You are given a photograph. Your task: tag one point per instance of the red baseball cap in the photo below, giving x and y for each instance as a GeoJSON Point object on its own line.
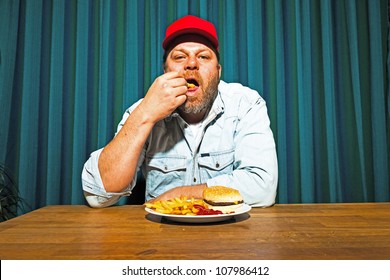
{"type": "Point", "coordinates": [191, 25]}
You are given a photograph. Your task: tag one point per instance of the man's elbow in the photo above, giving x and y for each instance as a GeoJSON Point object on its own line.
{"type": "Point", "coordinates": [96, 201]}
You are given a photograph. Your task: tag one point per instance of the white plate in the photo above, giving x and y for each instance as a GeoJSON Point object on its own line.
{"type": "Point", "coordinates": [201, 218]}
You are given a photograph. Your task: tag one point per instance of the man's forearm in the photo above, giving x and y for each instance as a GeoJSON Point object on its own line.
{"type": "Point", "coordinates": [118, 160]}
{"type": "Point", "coordinates": [195, 191]}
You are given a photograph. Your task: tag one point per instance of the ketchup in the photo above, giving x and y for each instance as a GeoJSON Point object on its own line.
{"type": "Point", "coordinates": [205, 211]}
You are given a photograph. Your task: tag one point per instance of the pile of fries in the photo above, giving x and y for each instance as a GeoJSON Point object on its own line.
{"type": "Point", "coordinates": [177, 206]}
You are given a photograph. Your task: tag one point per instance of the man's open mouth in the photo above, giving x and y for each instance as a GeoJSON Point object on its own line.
{"type": "Point", "coordinates": [192, 83]}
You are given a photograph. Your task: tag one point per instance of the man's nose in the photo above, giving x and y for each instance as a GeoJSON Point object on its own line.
{"type": "Point", "coordinates": [192, 64]}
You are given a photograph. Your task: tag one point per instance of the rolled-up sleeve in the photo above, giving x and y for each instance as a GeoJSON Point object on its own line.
{"type": "Point", "coordinates": [93, 187]}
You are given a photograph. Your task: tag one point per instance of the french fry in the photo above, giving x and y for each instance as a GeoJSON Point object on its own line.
{"type": "Point", "coordinates": [189, 85]}
{"type": "Point", "coordinates": [166, 205]}
{"type": "Point", "coordinates": [185, 211]}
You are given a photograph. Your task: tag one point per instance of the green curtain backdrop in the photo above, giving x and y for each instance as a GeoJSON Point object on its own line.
{"type": "Point", "coordinates": [69, 69]}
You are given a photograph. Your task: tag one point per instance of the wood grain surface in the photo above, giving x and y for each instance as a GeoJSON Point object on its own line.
{"type": "Point", "coordinates": [299, 232]}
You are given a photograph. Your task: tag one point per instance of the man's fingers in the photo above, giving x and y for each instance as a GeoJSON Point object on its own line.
{"type": "Point", "coordinates": [180, 99]}
{"type": "Point", "coordinates": [171, 75]}
{"type": "Point", "coordinates": [171, 80]}
{"type": "Point", "coordinates": [178, 82]}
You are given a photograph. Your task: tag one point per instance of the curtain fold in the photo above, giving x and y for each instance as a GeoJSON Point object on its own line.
{"type": "Point", "coordinates": [379, 127]}
{"type": "Point", "coordinates": [55, 108]}
{"type": "Point", "coordinates": [69, 69]}
{"type": "Point", "coordinates": [8, 45]}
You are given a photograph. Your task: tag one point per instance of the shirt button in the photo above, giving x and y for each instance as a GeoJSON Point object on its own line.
{"type": "Point", "coordinates": [165, 167]}
{"type": "Point", "coordinates": [194, 179]}
{"type": "Point", "coordinates": [217, 165]}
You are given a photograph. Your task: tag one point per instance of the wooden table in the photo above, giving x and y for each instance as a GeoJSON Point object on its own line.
{"type": "Point", "coordinates": [304, 231]}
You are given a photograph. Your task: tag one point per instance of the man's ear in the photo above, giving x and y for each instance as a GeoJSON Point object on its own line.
{"type": "Point", "coordinates": [219, 70]}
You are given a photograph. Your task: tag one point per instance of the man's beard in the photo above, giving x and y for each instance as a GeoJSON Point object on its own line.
{"type": "Point", "coordinates": [202, 101]}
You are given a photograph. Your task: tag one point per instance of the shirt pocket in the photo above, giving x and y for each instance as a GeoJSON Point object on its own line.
{"type": "Point", "coordinates": [215, 163]}
{"type": "Point", "coordinates": [166, 164]}
{"type": "Point", "coordinates": [164, 173]}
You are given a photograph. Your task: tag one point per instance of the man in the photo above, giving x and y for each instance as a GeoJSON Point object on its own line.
{"type": "Point", "coordinates": [190, 131]}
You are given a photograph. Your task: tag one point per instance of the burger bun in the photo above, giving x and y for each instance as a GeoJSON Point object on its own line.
{"type": "Point", "coordinates": [222, 198]}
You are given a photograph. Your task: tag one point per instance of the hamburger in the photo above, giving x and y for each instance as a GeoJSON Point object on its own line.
{"type": "Point", "coordinates": [221, 198]}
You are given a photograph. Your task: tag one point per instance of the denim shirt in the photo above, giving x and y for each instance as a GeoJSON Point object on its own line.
{"type": "Point", "coordinates": [234, 147]}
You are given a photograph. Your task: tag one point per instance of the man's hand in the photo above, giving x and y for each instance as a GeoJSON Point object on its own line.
{"type": "Point", "coordinates": [166, 93]}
